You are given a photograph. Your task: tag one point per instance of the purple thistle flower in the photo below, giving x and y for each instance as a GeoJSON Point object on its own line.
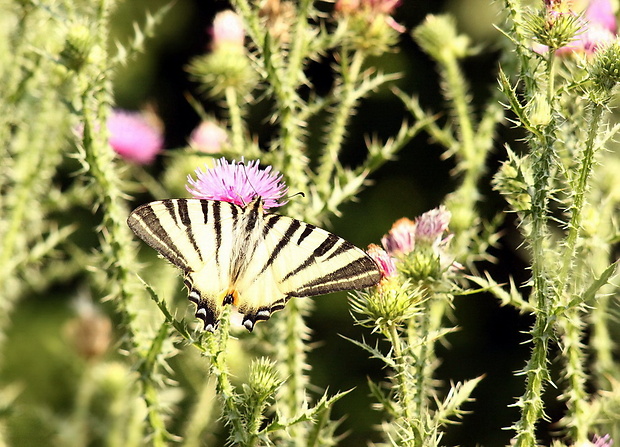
{"type": "Point", "coordinates": [134, 137]}
{"type": "Point", "coordinates": [239, 183]}
{"type": "Point", "coordinates": [400, 240]}
{"type": "Point", "coordinates": [431, 225]}
{"type": "Point", "coordinates": [385, 262]}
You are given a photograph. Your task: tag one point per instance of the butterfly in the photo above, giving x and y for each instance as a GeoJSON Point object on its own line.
{"type": "Point", "coordinates": [242, 256]}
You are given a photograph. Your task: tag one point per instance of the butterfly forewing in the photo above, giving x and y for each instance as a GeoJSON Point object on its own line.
{"type": "Point", "coordinates": [242, 256]}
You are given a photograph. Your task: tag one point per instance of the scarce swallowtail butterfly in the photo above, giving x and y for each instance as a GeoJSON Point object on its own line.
{"type": "Point", "coordinates": [245, 257]}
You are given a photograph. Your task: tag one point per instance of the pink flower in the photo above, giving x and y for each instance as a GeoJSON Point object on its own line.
{"type": "Point", "coordinates": [372, 8]}
{"type": "Point", "coordinates": [134, 137]}
{"type": "Point", "coordinates": [431, 225]}
{"type": "Point", "coordinates": [400, 240]}
{"type": "Point", "coordinates": [227, 30]}
{"type": "Point", "coordinates": [600, 28]}
{"type": "Point", "coordinates": [208, 137]}
{"type": "Point", "coordinates": [238, 183]}
{"type": "Point", "coordinates": [602, 441]}
{"type": "Point", "coordinates": [601, 12]}
{"type": "Point", "coordinates": [386, 263]}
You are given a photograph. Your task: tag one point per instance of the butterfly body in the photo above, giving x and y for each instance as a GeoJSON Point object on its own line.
{"type": "Point", "coordinates": [242, 256]}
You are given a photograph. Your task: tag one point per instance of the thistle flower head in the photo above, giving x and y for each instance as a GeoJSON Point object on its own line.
{"type": "Point", "coordinates": [373, 28]}
{"type": "Point", "coordinates": [430, 226]}
{"type": "Point", "coordinates": [208, 137]}
{"type": "Point", "coordinates": [400, 240]}
{"type": "Point", "coordinates": [385, 262]}
{"type": "Point", "coordinates": [238, 183]}
{"type": "Point", "coordinates": [563, 30]}
{"type": "Point", "coordinates": [227, 30]}
{"type": "Point", "coordinates": [134, 137]}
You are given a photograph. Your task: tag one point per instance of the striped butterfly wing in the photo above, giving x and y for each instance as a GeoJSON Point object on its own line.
{"type": "Point", "coordinates": [241, 256]}
{"type": "Point", "coordinates": [197, 236]}
{"type": "Point", "coordinates": [307, 260]}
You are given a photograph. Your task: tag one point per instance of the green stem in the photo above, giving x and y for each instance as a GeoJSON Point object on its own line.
{"type": "Point", "coordinates": [408, 402]}
{"type": "Point", "coordinates": [291, 357]}
{"type": "Point", "coordinates": [347, 94]}
{"type": "Point", "coordinates": [216, 349]}
{"type": "Point", "coordinates": [236, 123]}
{"type": "Point", "coordinates": [537, 370]}
{"type": "Point", "coordinates": [574, 226]}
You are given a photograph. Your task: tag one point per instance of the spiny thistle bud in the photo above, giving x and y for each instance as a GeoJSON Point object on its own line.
{"type": "Point", "coordinates": [437, 36]}
{"type": "Point", "coordinates": [396, 303]}
{"type": "Point", "coordinates": [598, 30]}
{"type": "Point", "coordinates": [512, 180]}
{"type": "Point", "coordinates": [553, 27]}
{"type": "Point", "coordinates": [604, 71]}
{"type": "Point", "coordinates": [263, 380]}
{"type": "Point", "coordinates": [539, 110]}
{"type": "Point", "coordinates": [228, 65]}
{"type": "Point", "coordinates": [78, 44]}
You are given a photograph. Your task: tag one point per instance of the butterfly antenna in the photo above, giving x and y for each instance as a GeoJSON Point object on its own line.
{"type": "Point", "coordinates": [242, 163]}
{"type": "Point", "coordinates": [299, 193]}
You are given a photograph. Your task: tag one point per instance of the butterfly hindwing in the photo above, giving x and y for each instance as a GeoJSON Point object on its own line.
{"type": "Point", "coordinates": [307, 260]}
{"type": "Point", "coordinates": [242, 256]}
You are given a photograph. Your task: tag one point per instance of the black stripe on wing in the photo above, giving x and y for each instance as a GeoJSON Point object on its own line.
{"type": "Point", "coordinates": [285, 238]}
{"type": "Point", "coordinates": [357, 274]}
{"type": "Point", "coordinates": [186, 221]}
{"type": "Point", "coordinates": [145, 222]}
{"type": "Point", "coordinates": [323, 248]}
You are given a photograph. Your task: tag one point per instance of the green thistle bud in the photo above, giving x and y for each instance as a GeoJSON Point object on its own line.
{"type": "Point", "coordinates": [263, 380]}
{"type": "Point", "coordinates": [78, 45]}
{"type": "Point", "coordinates": [422, 264]}
{"type": "Point", "coordinates": [390, 302]}
{"type": "Point", "coordinates": [438, 37]}
{"type": "Point", "coordinates": [604, 71]}
{"type": "Point", "coordinates": [539, 110]}
{"type": "Point", "coordinates": [512, 181]}
{"type": "Point", "coordinates": [226, 67]}
{"type": "Point", "coordinates": [552, 28]}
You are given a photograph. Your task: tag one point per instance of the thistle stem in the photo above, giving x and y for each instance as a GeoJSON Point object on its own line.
{"type": "Point", "coordinates": [236, 123]}
{"type": "Point", "coordinates": [537, 371]}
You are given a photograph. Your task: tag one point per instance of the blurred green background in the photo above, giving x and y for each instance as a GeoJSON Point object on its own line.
{"type": "Point", "coordinates": [489, 339]}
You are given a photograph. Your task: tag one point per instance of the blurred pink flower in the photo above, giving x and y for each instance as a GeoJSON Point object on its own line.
{"type": "Point", "coordinates": [602, 441]}
{"type": "Point", "coordinates": [134, 137]}
{"type": "Point", "coordinates": [208, 137]}
{"type": "Point", "coordinates": [238, 183]}
{"type": "Point", "coordinates": [227, 30]}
